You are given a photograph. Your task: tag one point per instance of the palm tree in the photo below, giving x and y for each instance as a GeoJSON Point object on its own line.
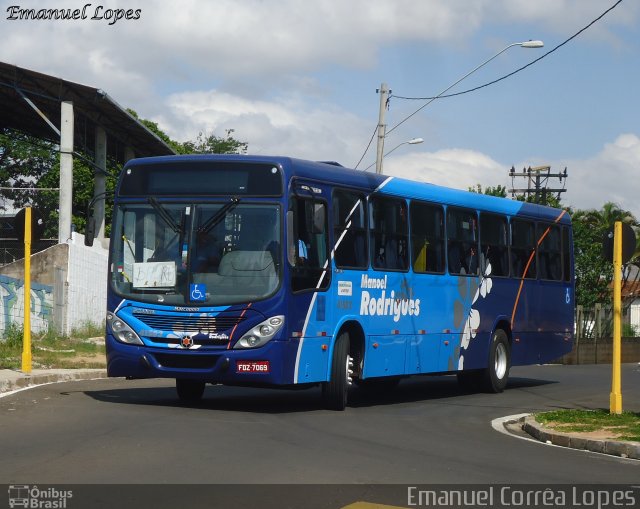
{"type": "Point", "coordinates": [606, 217]}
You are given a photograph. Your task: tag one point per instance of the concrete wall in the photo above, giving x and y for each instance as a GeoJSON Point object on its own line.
{"type": "Point", "coordinates": [87, 284]}
{"type": "Point", "coordinates": [12, 304]}
{"type": "Point", "coordinates": [68, 288]}
{"type": "Point", "coordinates": [601, 352]}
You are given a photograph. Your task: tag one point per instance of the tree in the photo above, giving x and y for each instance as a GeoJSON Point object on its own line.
{"type": "Point", "coordinates": [211, 144]}
{"type": "Point", "coordinates": [499, 191]}
{"type": "Point", "coordinates": [594, 273]}
{"type": "Point", "coordinates": [29, 162]}
{"type": "Point", "coordinates": [203, 144]}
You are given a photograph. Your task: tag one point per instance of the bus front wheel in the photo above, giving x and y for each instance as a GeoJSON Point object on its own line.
{"type": "Point", "coordinates": [189, 391]}
{"type": "Point", "coordinates": [497, 373]}
{"type": "Point", "coordinates": [334, 392]}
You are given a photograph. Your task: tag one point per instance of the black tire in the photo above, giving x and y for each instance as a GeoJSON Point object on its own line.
{"type": "Point", "coordinates": [188, 390]}
{"type": "Point", "coordinates": [497, 373]}
{"type": "Point", "coordinates": [334, 392]}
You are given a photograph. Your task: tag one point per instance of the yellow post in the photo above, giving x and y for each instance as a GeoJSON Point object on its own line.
{"type": "Point", "coordinates": [26, 339]}
{"type": "Point", "coordinates": [615, 398]}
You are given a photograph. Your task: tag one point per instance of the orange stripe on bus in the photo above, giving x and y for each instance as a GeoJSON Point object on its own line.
{"type": "Point", "coordinates": [526, 269]}
{"type": "Point", "coordinates": [236, 325]}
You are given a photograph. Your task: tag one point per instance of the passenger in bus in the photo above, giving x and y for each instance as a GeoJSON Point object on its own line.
{"type": "Point", "coordinates": [471, 262]}
{"type": "Point", "coordinates": [302, 252]}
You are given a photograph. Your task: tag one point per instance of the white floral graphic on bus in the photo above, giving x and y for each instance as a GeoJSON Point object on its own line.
{"type": "Point", "coordinates": [473, 318]}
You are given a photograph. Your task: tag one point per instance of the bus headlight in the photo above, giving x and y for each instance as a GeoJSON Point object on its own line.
{"type": "Point", "coordinates": [261, 333]}
{"type": "Point", "coordinates": [121, 331]}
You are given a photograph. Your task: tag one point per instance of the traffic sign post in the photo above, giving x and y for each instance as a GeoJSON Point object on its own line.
{"type": "Point", "coordinates": [618, 248]}
{"type": "Point", "coordinates": [26, 338]}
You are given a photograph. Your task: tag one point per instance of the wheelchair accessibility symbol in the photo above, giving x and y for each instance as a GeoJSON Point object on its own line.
{"type": "Point", "coordinates": [198, 292]}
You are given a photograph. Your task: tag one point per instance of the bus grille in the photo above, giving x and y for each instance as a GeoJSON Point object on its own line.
{"type": "Point", "coordinates": [204, 324]}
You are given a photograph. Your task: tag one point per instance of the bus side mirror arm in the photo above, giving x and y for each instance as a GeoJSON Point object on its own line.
{"type": "Point", "coordinates": [90, 231]}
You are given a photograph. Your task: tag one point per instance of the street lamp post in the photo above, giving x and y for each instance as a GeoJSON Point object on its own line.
{"type": "Point", "coordinates": [413, 141]}
{"type": "Point", "coordinates": [384, 89]}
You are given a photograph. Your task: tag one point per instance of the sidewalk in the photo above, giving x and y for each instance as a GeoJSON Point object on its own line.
{"type": "Point", "coordinates": [11, 380]}
{"type": "Point", "coordinates": [575, 441]}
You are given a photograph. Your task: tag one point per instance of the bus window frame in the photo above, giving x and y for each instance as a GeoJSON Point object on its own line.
{"type": "Point", "coordinates": [372, 231]}
{"type": "Point", "coordinates": [365, 230]}
{"type": "Point", "coordinates": [513, 273]}
{"type": "Point", "coordinates": [443, 239]}
{"type": "Point", "coordinates": [542, 225]}
{"type": "Point", "coordinates": [567, 238]}
{"type": "Point", "coordinates": [292, 242]}
{"type": "Point", "coordinates": [508, 240]}
{"type": "Point", "coordinates": [475, 212]}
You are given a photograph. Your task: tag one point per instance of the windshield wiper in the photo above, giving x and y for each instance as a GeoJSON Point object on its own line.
{"type": "Point", "coordinates": [166, 217]}
{"type": "Point", "coordinates": [218, 216]}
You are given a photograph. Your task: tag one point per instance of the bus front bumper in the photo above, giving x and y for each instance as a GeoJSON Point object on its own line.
{"type": "Point", "coordinates": [271, 364]}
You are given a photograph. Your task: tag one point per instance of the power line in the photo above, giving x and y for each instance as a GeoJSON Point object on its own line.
{"type": "Point", "coordinates": [506, 75]}
{"type": "Point", "coordinates": [367, 149]}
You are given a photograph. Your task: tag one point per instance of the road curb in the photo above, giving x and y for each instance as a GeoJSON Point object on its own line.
{"type": "Point", "coordinates": [550, 436]}
{"type": "Point", "coordinates": [11, 380]}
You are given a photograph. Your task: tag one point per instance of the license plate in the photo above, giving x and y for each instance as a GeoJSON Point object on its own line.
{"type": "Point", "coordinates": [252, 367]}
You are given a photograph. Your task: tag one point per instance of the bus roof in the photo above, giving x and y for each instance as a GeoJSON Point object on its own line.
{"type": "Point", "coordinates": [336, 174]}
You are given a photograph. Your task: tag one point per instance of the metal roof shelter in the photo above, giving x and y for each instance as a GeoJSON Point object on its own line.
{"type": "Point", "coordinates": [73, 115]}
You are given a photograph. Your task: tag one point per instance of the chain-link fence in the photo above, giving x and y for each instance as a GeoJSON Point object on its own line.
{"type": "Point", "coordinates": [594, 331]}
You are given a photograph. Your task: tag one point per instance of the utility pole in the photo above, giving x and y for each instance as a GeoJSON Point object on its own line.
{"type": "Point", "coordinates": [537, 183]}
{"type": "Point", "coordinates": [382, 127]}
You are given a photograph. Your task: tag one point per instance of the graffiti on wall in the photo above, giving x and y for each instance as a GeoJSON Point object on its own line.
{"type": "Point", "coordinates": [12, 304]}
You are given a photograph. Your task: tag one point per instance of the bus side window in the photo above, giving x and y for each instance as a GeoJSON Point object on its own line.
{"type": "Point", "coordinates": [389, 233]}
{"type": "Point", "coordinates": [523, 249]}
{"type": "Point", "coordinates": [308, 245]}
{"type": "Point", "coordinates": [462, 242]}
{"type": "Point", "coordinates": [427, 237]}
{"type": "Point", "coordinates": [494, 245]}
{"type": "Point", "coordinates": [566, 254]}
{"type": "Point", "coordinates": [349, 230]}
{"type": "Point", "coordinates": [549, 252]}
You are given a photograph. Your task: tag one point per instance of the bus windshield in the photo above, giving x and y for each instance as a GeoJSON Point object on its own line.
{"type": "Point", "coordinates": [209, 254]}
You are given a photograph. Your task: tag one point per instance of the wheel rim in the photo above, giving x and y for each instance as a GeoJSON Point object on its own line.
{"type": "Point", "coordinates": [500, 363]}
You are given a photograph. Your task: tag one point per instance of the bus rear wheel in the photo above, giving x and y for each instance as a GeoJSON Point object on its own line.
{"type": "Point", "coordinates": [497, 373]}
{"type": "Point", "coordinates": [188, 390]}
{"type": "Point", "coordinates": [334, 392]}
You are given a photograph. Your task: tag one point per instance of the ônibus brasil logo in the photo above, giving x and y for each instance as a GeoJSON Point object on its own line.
{"type": "Point", "coordinates": [23, 495]}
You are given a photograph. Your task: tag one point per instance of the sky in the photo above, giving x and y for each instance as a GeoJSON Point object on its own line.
{"type": "Point", "coordinates": [299, 78]}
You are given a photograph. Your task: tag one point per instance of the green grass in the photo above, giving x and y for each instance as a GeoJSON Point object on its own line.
{"type": "Point", "coordinates": [48, 350]}
{"type": "Point", "coordinates": [625, 425]}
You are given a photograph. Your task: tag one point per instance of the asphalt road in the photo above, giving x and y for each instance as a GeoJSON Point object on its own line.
{"type": "Point", "coordinates": [426, 431]}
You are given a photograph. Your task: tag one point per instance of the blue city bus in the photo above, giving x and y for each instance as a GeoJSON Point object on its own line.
{"type": "Point", "coordinates": [278, 272]}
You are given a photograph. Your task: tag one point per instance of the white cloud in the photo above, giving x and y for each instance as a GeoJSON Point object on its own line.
{"type": "Point", "coordinates": [225, 38]}
{"type": "Point", "coordinates": [613, 174]}
{"type": "Point", "coordinates": [457, 168]}
{"type": "Point", "coordinates": [283, 126]}
{"type": "Point", "coordinates": [249, 66]}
